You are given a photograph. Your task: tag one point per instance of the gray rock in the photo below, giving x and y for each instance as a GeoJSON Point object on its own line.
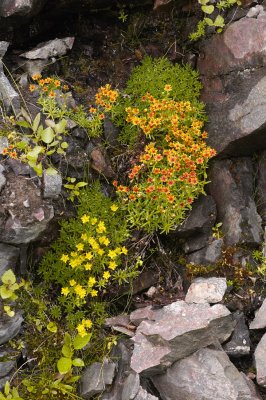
{"type": "Point", "coordinates": [9, 256]}
{"type": "Point", "coordinates": [96, 377]}
{"type": "Point", "coordinates": [19, 7]}
{"type": "Point", "coordinates": [2, 181]}
{"type": "Point", "coordinates": [201, 218]}
{"type": "Point", "coordinates": [255, 11]}
{"type": "Point", "coordinates": [259, 322]}
{"type": "Point", "coordinates": [207, 255]}
{"type": "Point", "coordinates": [18, 167]}
{"type": "Point", "coordinates": [121, 353]}
{"type": "Point", "coordinates": [52, 48]}
{"type": "Point", "coordinates": [196, 242]}
{"type": "Point", "coordinates": [175, 331]}
{"type": "Point", "coordinates": [144, 395]}
{"type": "Point", "coordinates": [206, 290]}
{"type": "Point", "coordinates": [8, 361]}
{"type": "Point", "coordinates": [260, 361]}
{"type": "Point", "coordinates": [232, 66]}
{"type": "Point", "coordinates": [232, 188]}
{"type": "Point", "coordinates": [131, 387]}
{"type": "Point", "coordinates": [111, 132]}
{"type": "Point", "coordinates": [213, 376]}
{"type": "Point", "coordinates": [239, 343]}
{"type": "Point", "coordinates": [52, 185]}
{"type": "Point", "coordinates": [261, 187]}
{"type": "Point", "coordinates": [8, 95]}
{"type": "Point", "coordinates": [3, 49]}
{"type": "Point", "coordinates": [9, 327]}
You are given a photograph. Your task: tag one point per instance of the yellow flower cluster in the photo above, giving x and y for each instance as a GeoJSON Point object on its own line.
{"type": "Point", "coordinates": [82, 328]}
{"type": "Point", "coordinates": [95, 256]}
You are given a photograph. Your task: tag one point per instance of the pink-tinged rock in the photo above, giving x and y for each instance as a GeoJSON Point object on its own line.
{"type": "Point", "coordinates": [19, 7]}
{"type": "Point", "coordinates": [259, 322]}
{"type": "Point", "coordinates": [175, 331]}
{"type": "Point", "coordinates": [206, 290]}
{"type": "Point", "coordinates": [260, 361]}
{"type": "Point", "coordinates": [206, 375]}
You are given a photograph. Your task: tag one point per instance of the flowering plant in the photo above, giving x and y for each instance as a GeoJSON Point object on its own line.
{"type": "Point", "coordinates": [171, 172]}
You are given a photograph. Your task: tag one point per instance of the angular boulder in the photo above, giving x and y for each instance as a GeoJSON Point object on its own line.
{"type": "Point", "coordinates": [232, 188]}
{"type": "Point", "coordinates": [176, 331]}
{"type": "Point", "coordinates": [206, 290]}
{"type": "Point", "coordinates": [205, 375]}
{"type": "Point", "coordinates": [260, 361]}
{"type": "Point", "coordinates": [259, 322]}
{"type": "Point", "coordinates": [9, 327]}
{"type": "Point", "coordinates": [96, 377]}
{"type": "Point", "coordinates": [52, 48]}
{"type": "Point", "coordinates": [232, 66]}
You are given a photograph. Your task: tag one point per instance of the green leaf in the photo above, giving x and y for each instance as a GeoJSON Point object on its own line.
{"type": "Point", "coordinates": [23, 124]}
{"type": "Point", "coordinates": [80, 342]}
{"type": "Point", "coordinates": [67, 339]}
{"type": "Point", "coordinates": [37, 168]}
{"type": "Point", "coordinates": [64, 145]}
{"type": "Point", "coordinates": [48, 135]}
{"type": "Point", "coordinates": [8, 277]}
{"type": "Point", "coordinates": [7, 388]}
{"type": "Point", "coordinates": [36, 123]}
{"type": "Point", "coordinates": [51, 171]}
{"type": "Point", "coordinates": [219, 21]}
{"type": "Point", "coordinates": [5, 293]}
{"type": "Point", "coordinates": [52, 327]}
{"type": "Point", "coordinates": [33, 154]}
{"type": "Point", "coordinates": [67, 351]}
{"type": "Point", "coordinates": [64, 365]}
{"type": "Point", "coordinates": [26, 115]}
{"type": "Point", "coordinates": [81, 184]}
{"type": "Point", "coordinates": [78, 362]}
{"type": "Point", "coordinates": [208, 9]}
{"type": "Point", "coordinates": [61, 126]}
{"type": "Point", "coordinates": [50, 123]}
{"type": "Point", "coordinates": [203, 2]}
{"type": "Point", "coordinates": [9, 312]}
{"type": "Point", "coordinates": [209, 21]}
{"type": "Point", "coordinates": [60, 151]}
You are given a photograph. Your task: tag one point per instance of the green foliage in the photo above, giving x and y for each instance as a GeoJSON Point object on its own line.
{"type": "Point", "coordinates": [8, 289]}
{"type": "Point", "coordinates": [209, 9]}
{"type": "Point", "coordinates": [74, 188]}
{"type": "Point", "coordinates": [151, 77]}
{"type": "Point", "coordinates": [10, 394]}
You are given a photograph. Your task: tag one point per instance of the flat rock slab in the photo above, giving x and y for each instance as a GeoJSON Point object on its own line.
{"type": "Point", "coordinates": [259, 322]}
{"type": "Point", "coordinates": [205, 375]}
{"type": "Point", "coordinates": [176, 331]}
{"type": "Point", "coordinates": [9, 327]}
{"type": "Point", "coordinates": [52, 48]}
{"type": "Point", "coordinates": [260, 361]}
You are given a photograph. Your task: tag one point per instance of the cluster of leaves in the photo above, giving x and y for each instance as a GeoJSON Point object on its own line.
{"type": "Point", "coordinates": [171, 171]}
{"type": "Point", "coordinates": [209, 9]}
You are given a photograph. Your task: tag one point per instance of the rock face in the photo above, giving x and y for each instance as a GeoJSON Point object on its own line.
{"type": "Point", "coordinates": [95, 378]}
{"type": "Point", "coordinates": [175, 331]}
{"type": "Point", "coordinates": [260, 364]}
{"type": "Point", "coordinates": [208, 254]}
{"type": "Point", "coordinates": [259, 321]}
{"type": "Point", "coordinates": [239, 343]}
{"type": "Point", "coordinates": [213, 376]}
{"type": "Point", "coordinates": [232, 188]}
{"type": "Point", "coordinates": [9, 256]}
{"type": "Point", "coordinates": [9, 327]}
{"type": "Point", "coordinates": [206, 290]}
{"type": "Point", "coordinates": [19, 7]}
{"type": "Point", "coordinates": [8, 94]}
{"type": "Point", "coordinates": [232, 66]}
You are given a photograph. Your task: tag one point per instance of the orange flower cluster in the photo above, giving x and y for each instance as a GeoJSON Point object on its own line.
{"type": "Point", "coordinates": [9, 151]}
{"type": "Point", "coordinates": [106, 97]}
{"type": "Point", "coordinates": [170, 173]}
{"type": "Point", "coordinates": [47, 85]}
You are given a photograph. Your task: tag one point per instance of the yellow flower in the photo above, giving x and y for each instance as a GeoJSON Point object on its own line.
{"type": "Point", "coordinates": [91, 281]}
{"type": "Point", "coordinates": [114, 207]}
{"type": "Point", "coordinates": [112, 265]}
{"type": "Point", "coordinates": [88, 255]}
{"type": "Point", "coordinates": [36, 77]}
{"type": "Point", "coordinates": [167, 88]}
{"type": "Point", "coordinates": [112, 254]}
{"type": "Point", "coordinates": [65, 291]}
{"type": "Point", "coordinates": [94, 293]}
{"type": "Point", "coordinates": [72, 282]}
{"type": "Point", "coordinates": [73, 254]}
{"type": "Point", "coordinates": [124, 250]}
{"type": "Point", "coordinates": [81, 292]}
{"type": "Point", "coordinates": [101, 227]}
{"type": "Point", "coordinates": [87, 323]}
{"type": "Point", "coordinates": [94, 221]}
{"type": "Point", "coordinates": [80, 246]}
{"type": "Point", "coordinates": [106, 275]}
{"type": "Point", "coordinates": [85, 218]}
{"type": "Point", "coordinates": [64, 258]}
{"type": "Point", "coordinates": [81, 330]}
{"type": "Point", "coordinates": [84, 236]}
{"type": "Point", "coordinates": [74, 262]}
{"type": "Point", "coordinates": [88, 266]}
{"type": "Point", "coordinates": [106, 242]}
{"type": "Point", "coordinates": [100, 252]}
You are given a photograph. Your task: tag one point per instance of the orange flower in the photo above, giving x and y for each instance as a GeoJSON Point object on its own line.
{"type": "Point", "coordinates": [5, 151]}
{"type": "Point", "coordinates": [57, 83]}
{"type": "Point", "coordinates": [167, 88]}
{"type": "Point", "coordinates": [65, 87]}
{"type": "Point", "coordinates": [32, 88]}
{"type": "Point", "coordinates": [52, 94]}
{"type": "Point", "coordinates": [92, 110]}
{"type": "Point", "coordinates": [45, 89]}
{"type": "Point", "coordinates": [101, 116]}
